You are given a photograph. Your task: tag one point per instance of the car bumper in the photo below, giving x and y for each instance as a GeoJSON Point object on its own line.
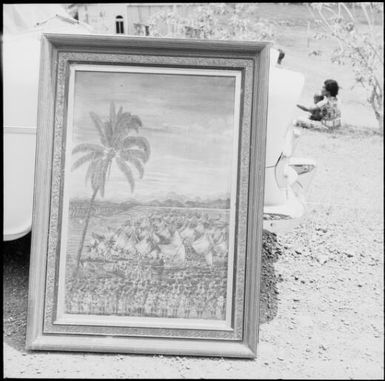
{"type": "Point", "coordinates": [284, 216]}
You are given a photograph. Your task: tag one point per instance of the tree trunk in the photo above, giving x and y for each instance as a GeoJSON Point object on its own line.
{"type": "Point", "coordinates": [376, 102]}
{"type": "Point", "coordinates": [84, 232]}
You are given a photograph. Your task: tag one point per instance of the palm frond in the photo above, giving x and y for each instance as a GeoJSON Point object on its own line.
{"type": "Point", "coordinates": [84, 159]}
{"type": "Point", "coordinates": [135, 120]}
{"type": "Point", "coordinates": [84, 147]}
{"type": "Point", "coordinates": [103, 177]}
{"type": "Point", "coordinates": [109, 125]}
{"type": "Point", "coordinates": [128, 122]}
{"type": "Point", "coordinates": [138, 153]}
{"type": "Point", "coordinates": [124, 124]}
{"type": "Point", "coordinates": [100, 127]}
{"type": "Point", "coordinates": [117, 117]}
{"type": "Point", "coordinates": [137, 141]}
{"type": "Point", "coordinates": [127, 156]}
{"type": "Point", "coordinates": [129, 151]}
{"type": "Point", "coordinates": [109, 131]}
{"type": "Point", "coordinates": [109, 169]}
{"type": "Point", "coordinates": [96, 175]}
{"type": "Point", "coordinates": [91, 168]}
{"type": "Point", "coordinates": [126, 171]}
{"type": "Point", "coordinates": [119, 112]}
{"type": "Point", "coordinates": [112, 113]}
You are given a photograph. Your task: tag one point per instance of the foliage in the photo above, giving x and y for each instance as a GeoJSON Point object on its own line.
{"type": "Point", "coordinates": [362, 49]}
{"type": "Point", "coordinates": [116, 145]}
{"type": "Point", "coordinates": [217, 21]}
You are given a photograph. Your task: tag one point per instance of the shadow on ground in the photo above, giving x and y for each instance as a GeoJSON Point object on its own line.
{"type": "Point", "coordinates": [15, 290]}
{"type": "Point", "coordinates": [15, 286]}
{"type": "Point", "coordinates": [268, 297]}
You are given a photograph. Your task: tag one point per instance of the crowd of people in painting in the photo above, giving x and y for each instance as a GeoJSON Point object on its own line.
{"type": "Point", "coordinates": [171, 263]}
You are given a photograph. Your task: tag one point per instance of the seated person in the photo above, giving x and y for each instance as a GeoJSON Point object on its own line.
{"type": "Point", "coordinates": [326, 112]}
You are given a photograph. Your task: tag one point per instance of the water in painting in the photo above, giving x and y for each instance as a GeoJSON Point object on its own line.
{"type": "Point", "coordinates": [149, 193]}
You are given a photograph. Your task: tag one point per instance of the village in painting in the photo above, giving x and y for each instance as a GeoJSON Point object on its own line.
{"type": "Point", "coordinates": [153, 261]}
{"type": "Point", "coordinates": [148, 215]}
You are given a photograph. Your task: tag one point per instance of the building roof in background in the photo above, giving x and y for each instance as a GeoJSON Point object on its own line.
{"type": "Point", "coordinates": [21, 18]}
{"type": "Point", "coordinates": [68, 19]}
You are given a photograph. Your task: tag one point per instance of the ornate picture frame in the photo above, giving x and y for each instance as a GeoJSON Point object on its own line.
{"type": "Point", "coordinates": [148, 199]}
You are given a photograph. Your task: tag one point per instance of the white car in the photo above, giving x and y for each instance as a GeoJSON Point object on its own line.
{"type": "Point", "coordinates": [286, 177]}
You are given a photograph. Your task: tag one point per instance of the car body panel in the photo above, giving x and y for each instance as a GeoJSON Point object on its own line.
{"type": "Point", "coordinates": [285, 87]}
{"type": "Point", "coordinates": [19, 149]}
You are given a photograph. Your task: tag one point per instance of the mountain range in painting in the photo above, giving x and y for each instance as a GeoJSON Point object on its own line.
{"type": "Point", "coordinates": [78, 207]}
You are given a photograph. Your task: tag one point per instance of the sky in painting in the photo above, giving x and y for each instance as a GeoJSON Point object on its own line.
{"type": "Point", "coordinates": [188, 120]}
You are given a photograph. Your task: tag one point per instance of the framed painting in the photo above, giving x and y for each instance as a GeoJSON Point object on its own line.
{"type": "Point", "coordinates": [148, 199]}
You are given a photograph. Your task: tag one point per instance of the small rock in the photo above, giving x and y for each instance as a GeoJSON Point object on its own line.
{"type": "Point", "coordinates": [280, 358]}
{"type": "Point", "coordinates": [323, 347]}
{"type": "Point", "coordinates": [322, 259]}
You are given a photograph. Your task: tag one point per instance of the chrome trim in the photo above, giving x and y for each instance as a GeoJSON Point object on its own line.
{"type": "Point", "coordinates": [302, 168]}
{"type": "Point", "coordinates": [20, 130]}
{"type": "Point", "coordinates": [17, 233]}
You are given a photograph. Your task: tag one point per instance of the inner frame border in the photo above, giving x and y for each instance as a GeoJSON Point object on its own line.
{"type": "Point", "coordinates": [65, 58]}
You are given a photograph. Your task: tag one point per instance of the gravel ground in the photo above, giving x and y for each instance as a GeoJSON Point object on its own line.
{"type": "Point", "coordinates": [322, 287]}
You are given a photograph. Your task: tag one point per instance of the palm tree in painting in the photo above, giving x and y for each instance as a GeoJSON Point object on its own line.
{"type": "Point", "coordinates": [117, 145]}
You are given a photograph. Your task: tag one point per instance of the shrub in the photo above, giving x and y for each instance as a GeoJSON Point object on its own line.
{"type": "Point", "coordinates": [218, 21]}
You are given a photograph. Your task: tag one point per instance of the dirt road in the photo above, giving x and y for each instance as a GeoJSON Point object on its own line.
{"type": "Point", "coordinates": [322, 292]}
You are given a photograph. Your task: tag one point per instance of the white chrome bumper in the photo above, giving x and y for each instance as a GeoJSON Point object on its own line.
{"type": "Point", "coordinates": [285, 216]}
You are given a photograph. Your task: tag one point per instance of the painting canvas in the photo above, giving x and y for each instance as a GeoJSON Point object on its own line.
{"type": "Point", "coordinates": [150, 192]}
{"type": "Point", "coordinates": [148, 200]}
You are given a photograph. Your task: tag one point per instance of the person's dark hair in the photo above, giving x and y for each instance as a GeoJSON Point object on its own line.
{"type": "Point", "coordinates": [281, 56]}
{"type": "Point", "coordinates": [332, 87]}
